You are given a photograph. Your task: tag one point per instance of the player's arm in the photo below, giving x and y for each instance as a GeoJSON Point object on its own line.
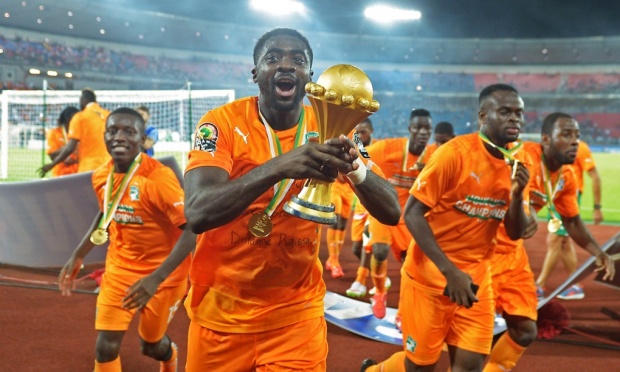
{"type": "Point", "coordinates": [579, 233]}
{"type": "Point", "coordinates": [532, 224]}
{"type": "Point", "coordinates": [139, 294]}
{"type": "Point", "coordinates": [64, 153]}
{"type": "Point", "coordinates": [516, 219]}
{"type": "Point", "coordinates": [459, 283]}
{"type": "Point", "coordinates": [68, 273]}
{"type": "Point", "coordinates": [212, 199]}
{"type": "Point", "coordinates": [597, 213]}
{"type": "Point", "coordinates": [376, 194]}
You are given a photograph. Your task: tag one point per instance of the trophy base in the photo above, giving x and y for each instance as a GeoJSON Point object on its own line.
{"type": "Point", "coordinates": [309, 211]}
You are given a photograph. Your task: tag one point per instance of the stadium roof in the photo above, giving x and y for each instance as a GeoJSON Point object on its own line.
{"type": "Point", "coordinates": [440, 18]}
{"type": "Point", "coordinates": [476, 31]}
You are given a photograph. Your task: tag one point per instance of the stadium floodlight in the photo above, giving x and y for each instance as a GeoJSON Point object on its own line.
{"type": "Point", "coordinates": [388, 14]}
{"type": "Point", "coordinates": [278, 7]}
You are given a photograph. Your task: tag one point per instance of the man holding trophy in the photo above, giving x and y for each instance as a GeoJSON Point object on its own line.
{"type": "Point", "coordinates": [257, 183]}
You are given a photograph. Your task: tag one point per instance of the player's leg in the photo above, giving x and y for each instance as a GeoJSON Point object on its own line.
{"type": "Point", "coordinates": [470, 336]}
{"type": "Point", "coordinates": [515, 297]}
{"type": "Point", "coordinates": [107, 348]}
{"type": "Point", "coordinates": [154, 320]}
{"type": "Point", "coordinates": [426, 320]}
{"type": "Point", "coordinates": [552, 257]}
{"type": "Point", "coordinates": [360, 236]}
{"type": "Point", "coordinates": [378, 272]}
{"type": "Point", "coordinates": [568, 256]}
{"type": "Point", "coordinates": [301, 346]}
{"type": "Point", "coordinates": [111, 322]}
{"type": "Point", "coordinates": [209, 350]}
{"type": "Point", "coordinates": [334, 237]}
{"type": "Point", "coordinates": [464, 360]}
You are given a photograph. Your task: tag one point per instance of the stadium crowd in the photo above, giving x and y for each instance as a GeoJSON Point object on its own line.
{"type": "Point", "coordinates": [397, 90]}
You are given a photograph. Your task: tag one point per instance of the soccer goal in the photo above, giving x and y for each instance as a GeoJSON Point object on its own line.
{"type": "Point", "coordinates": [28, 115]}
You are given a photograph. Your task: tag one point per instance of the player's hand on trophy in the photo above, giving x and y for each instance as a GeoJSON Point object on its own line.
{"type": "Point", "coordinates": [313, 160]}
{"type": "Point", "coordinates": [348, 152]}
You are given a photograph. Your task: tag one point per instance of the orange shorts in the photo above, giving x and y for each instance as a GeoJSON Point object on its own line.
{"type": "Point", "coordinates": [154, 317]}
{"type": "Point", "coordinates": [300, 346]}
{"type": "Point", "coordinates": [513, 284]}
{"type": "Point", "coordinates": [429, 319]}
{"type": "Point", "coordinates": [397, 237]}
{"type": "Point", "coordinates": [342, 198]}
{"type": "Point", "coordinates": [360, 216]}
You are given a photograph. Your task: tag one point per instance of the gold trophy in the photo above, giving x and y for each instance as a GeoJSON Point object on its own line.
{"type": "Point", "coordinates": [341, 98]}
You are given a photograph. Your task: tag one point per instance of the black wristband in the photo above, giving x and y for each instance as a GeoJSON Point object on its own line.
{"type": "Point", "coordinates": [597, 206]}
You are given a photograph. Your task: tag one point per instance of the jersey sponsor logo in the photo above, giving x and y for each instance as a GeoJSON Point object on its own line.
{"type": "Point", "coordinates": [411, 344]}
{"type": "Point", "coordinates": [206, 137]}
{"type": "Point", "coordinates": [482, 207]}
{"type": "Point", "coordinates": [244, 136]}
{"type": "Point", "coordinates": [134, 193]}
{"type": "Point", "coordinates": [360, 146]}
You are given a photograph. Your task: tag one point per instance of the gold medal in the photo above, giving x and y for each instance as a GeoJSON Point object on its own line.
{"type": "Point", "coordinates": [99, 237]}
{"type": "Point", "coordinates": [260, 225]}
{"type": "Point", "coordinates": [554, 225]}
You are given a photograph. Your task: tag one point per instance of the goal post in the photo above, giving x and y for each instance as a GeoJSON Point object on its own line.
{"type": "Point", "coordinates": [26, 116]}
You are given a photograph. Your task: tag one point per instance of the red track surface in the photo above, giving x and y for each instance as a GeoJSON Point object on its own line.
{"type": "Point", "coordinates": [42, 331]}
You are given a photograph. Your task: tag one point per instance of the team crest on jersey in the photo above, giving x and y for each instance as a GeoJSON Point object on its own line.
{"type": "Point", "coordinates": [311, 134]}
{"type": "Point", "coordinates": [360, 146]}
{"type": "Point", "coordinates": [134, 193]}
{"type": "Point", "coordinates": [561, 184]}
{"type": "Point", "coordinates": [206, 137]}
{"type": "Point", "coordinates": [411, 344]}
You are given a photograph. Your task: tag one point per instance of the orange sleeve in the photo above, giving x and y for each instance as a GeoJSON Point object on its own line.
{"type": "Point", "coordinates": [437, 176]}
{"type": "Point", "coordinates": [166, 195]}
{"type": "Point", "coordinates": [74, 126]}
{"type": "Point", "coordinates": [584, 156]}
{"type": "Point", "coordinates": [566, 203]}
{"type": "Point", "coordinates": [212, 143]}
{"type": "Point", "coordinates": [53, 141]}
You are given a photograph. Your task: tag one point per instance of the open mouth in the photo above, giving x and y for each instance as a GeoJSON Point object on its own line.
{"type": "Point", "coordinates": [285, 88]}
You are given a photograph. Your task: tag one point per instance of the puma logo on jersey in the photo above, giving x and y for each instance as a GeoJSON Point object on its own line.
{"type": "Point", "coordinates": [244, 136]}
{"type": "Point", "coordinates": [476, 177]}
{"type": "Point", "coordinates": [420, 183]}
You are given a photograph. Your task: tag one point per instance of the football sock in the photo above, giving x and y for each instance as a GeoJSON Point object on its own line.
{"type": "Point", "coordinates": [395, 363]}
{"type": "Point", "coordinates": [112, 366]}
{"type": "Point", "coordinates": [504, 355]}
{"type": "Point", "coordinates": [362, 275]}
{"type": "Point", "coordinates": [332, 246]}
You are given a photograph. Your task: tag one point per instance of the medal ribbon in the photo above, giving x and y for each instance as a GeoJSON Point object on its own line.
{"type": "Point", "coordinates": [550, 189]}
{"type": "Point", "coordinates": [280, 189]}
{"type": "Point", "coordinates": [109, 207]}
{"type": "Point", "coordinates": [405, 156]}
{"type": "Point", "coordinates": [509, 154]}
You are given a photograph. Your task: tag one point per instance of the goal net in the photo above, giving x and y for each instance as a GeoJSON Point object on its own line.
{"type": "Point", "coordinates": [26, 116]}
